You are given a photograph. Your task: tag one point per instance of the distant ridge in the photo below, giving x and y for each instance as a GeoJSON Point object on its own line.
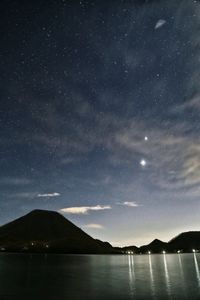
{"type": "Point", "coordinates": [184, 242]}
{"type": "Point", "coordinates": [49, 231]}
{"type": "Point", "coordinates": [155, 246]}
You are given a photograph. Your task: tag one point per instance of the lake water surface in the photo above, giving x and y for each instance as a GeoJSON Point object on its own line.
{"type": "Point", "coordinates": [58, 277]}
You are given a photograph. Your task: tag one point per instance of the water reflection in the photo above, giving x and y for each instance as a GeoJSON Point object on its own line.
{"type": "Point", "coordinates": [92, 277]}
{"type": "Point", "coordinates": [197, 269]}
{"type": "Point", "coordinates": [182, 274]}
{"type": "Point", "coordinates": [168, 287]}
{"type": "Point", "coordinates": [131, 274]}
{"type": "Point", "coordinates": [151, 277]}
{"type": "Point", "coordinates": [180, 264]}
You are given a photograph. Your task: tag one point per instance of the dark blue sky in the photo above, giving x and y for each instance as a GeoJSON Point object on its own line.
{"type": "Point", "coordinates": [99, 115]}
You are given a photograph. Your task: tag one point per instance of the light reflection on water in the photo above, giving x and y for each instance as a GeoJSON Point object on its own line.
{"type": "Point", "coordinates": [181, 266]}
{"type": "Point", "coordinates": [151, 277]}
{"type": "Point", "coordinates": [131, 274]}
{"type": "Point", "coordinates": [168, 287]}
{"type": "Point", "coordinates": [113, 277]}
{"type": "Point", "coordinates": [196, 269]}
{"type": "Point", "coordinates": [182, 273]}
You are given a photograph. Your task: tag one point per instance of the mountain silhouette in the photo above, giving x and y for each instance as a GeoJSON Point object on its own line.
{"type": "Point", "coordinates": [156, 246]}
{"type": "Point", "coordinates": [186, 241]}
{"type": "Point", "coordinates": [48, 231]}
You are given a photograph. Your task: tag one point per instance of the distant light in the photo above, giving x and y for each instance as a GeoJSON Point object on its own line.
{"type": "Point", "coordinates": [178, 251]}
{"type": "Point", "coordinates": [32, 244]}
{"type": "Point", "coordinates": [47, 246]}
{"type": "Point", "coordinates": [146, 138]}
{"type": "Point", "coordinates": [149, 252]}
{"type": "Point", "coordinates": [143, 163]}
{"type": "Point", "coordinates": [193, 250]}
{"type": "Point", "coordinates": [164, 252]}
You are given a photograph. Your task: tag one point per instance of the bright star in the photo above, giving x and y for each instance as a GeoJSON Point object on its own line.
{"type": "Point", "coordinates": [146, 138]}
{"type": "Point", "coordinates": [143, 163]}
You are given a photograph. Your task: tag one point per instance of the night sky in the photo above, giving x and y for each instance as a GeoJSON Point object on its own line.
{"type": "Point", "coordinates": [100, 115]}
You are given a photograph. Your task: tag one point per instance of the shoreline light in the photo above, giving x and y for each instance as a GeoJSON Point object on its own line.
{"type": "Point", "coordinates": [193, 250]}
{"type": "Point", "coordinates": [164, 252]}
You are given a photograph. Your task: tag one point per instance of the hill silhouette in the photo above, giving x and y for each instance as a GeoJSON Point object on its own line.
{"type": "Point", "coordinates": [184, 242]}
{"type": "Point", "coordinates": [48, 231]}
{"type": "Point", "coordinates": [156, 246]}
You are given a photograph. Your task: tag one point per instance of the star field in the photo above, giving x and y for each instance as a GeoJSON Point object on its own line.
{"type": "Point", "coordinates": [99, 115]}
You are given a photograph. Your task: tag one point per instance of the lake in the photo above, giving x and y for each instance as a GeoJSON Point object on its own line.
{"type": "Point", "coordinates": [164, 276]}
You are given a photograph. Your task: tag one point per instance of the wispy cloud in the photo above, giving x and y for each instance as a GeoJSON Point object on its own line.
{"type": "Point", "coordinates": [130, 204]}
{"type": "Point", "coordinates": [94, 226]}
{"type": "Point", "coordinates": [160, 23]}
{"type": "Point", "coordinates": [49, 195]}
{"type": "Point", "coordinates": [18, 181]}
{"type": "Point", "coordinates": [20, 195]}
{"type": "Point", "coordinates": [171, 167]}
{"type": "Point", "coordinates": [191, 104]}
{"type": "Point", "coordinates": [83, 209]}
{"type": "Point", "coordinates": [69, 160]}
{"type": "Point", "coordinates": [123, 139]}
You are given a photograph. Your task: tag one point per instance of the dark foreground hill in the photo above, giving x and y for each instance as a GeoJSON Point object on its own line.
{"type": "Point", "coordinates": [48, 231]}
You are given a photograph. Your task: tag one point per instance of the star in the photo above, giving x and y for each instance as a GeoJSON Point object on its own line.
{"type": "Point", "coordinates": [146, 138]}
{"type": "Point", "coordinates": [143, 163]}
